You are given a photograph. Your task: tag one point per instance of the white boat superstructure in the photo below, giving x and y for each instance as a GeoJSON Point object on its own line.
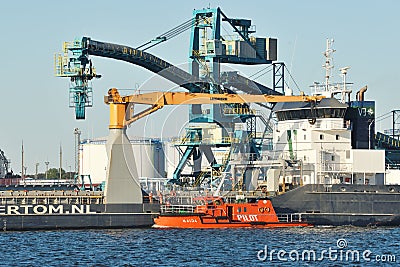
{"type": "Point", "coordinates": [324, 149]}
{"type": "Point", "coordinates": [330, 141]}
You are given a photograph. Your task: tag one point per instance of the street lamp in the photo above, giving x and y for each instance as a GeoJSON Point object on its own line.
{"type": "Point", "coordinates": [36, 169]}
{"type": "Point", "coordinates": [47, 167]}
{"type": "Point", "coordinates": [369, 134]}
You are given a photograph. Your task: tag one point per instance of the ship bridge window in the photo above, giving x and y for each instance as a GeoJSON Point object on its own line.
{"type": "Point", "coordinates": [337, 137]}
{"type": "Point", "coordinates": [306, 113]}
{"type": "Point", "coordinates": [330, 113]}
{"type": "Point", "coordinates": [321, 137]}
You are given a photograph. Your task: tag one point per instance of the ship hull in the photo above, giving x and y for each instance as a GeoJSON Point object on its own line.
{"type": "Point", "coordinates": [90, 216]}
{"type": "Point", "coordinates": [96, 221]}
{"type": "Point", "coordinates": [358, 205]}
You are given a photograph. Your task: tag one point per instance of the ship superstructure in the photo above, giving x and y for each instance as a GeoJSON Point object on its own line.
{"type": "Point", "coordinates": [331, 142]}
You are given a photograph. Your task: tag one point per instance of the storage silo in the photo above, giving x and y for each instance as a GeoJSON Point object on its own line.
{"type": "Point", "coordinates": [148, 152]}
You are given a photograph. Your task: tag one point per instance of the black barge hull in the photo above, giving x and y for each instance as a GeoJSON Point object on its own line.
{"type": "Point", "coordinates": [92, 221]}
{"type": "Point", "coordinates": [21, 217]}
{"type": "Point", "coordinates": [358, 205]}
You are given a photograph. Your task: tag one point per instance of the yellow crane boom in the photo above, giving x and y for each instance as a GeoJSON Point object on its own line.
{"type": "Point", "coordinates": [120, 118]}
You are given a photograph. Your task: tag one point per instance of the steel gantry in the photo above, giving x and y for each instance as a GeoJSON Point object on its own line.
{"type": "Point", "coordinates": [228, 94]}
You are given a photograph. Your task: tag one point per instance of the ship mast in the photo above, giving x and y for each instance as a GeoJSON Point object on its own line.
{"type": "Point", "coordinates": [22, 161]}
{"type": "Point", "coordinates": [328, 66]}
{"type": "Point", "coordinates": [330, 89]}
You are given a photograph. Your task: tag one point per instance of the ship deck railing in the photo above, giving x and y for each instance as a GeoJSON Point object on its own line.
{"type": "Point", "coordinates": [50, 197]}
{"type": "Point", "coordinates": [178, 208]}
{"type": "Point", "coordinates": [289, 217]}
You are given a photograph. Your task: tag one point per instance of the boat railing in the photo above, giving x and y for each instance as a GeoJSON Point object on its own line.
{"type": "Point", "coordinates": [289, 217]}
{"type": "Point", "coordinates": [177, 209]}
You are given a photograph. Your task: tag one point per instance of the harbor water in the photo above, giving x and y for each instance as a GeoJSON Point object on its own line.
{"type": "Point", "coordinates": [316, 246]}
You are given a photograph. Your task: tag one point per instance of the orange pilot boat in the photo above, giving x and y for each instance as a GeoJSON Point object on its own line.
{"type": "Point", "coordinates": [213, 212]}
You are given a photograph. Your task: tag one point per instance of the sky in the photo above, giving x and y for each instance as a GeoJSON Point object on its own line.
{"type": "Point", "coordinates": [35, 102]}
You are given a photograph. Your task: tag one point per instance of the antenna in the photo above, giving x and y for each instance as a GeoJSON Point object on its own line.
{"type": "Point", "coordinates": [22, 161]}
{"type": "Point", "coordinates": [60, 174]}
{"type": "Point", "coordinates": [344, 72]}
{"type": "Point", "coordinates": [344, 88]}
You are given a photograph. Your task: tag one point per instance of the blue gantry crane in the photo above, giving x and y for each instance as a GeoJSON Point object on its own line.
{"type": "Point", "coordinates": [208, 51]}
{"type": "Point", "coordinates": [74, 64]}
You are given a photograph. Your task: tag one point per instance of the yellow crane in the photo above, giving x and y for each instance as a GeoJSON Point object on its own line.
{"type": "Point", "coordinates": [120, 115]}
{"type": "Point", "coordinates": [122, 182]}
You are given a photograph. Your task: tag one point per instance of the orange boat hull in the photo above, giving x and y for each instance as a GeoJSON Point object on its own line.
{"type": "Point", "coordinates": [197, 221]}
{"type": "Point", "coordinates": [215, 213]}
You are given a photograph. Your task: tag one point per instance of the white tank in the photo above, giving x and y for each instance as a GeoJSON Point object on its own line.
{"type": "Point", "coordinates": [148, 152]}
{"type": "Point", "coordinates": [150, 157]}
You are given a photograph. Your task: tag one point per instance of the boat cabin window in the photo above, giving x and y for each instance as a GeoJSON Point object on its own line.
{"type": "Point", "coordinates": [244, 209]}
{"type": "Point", "coordinates": [210, 201]}
{"type": "Point", "coordinates": [199, 202]}
{"type": "Point", "coordinates": [321, 137]}
{"type": "Point", "coordinates": [239, 210]}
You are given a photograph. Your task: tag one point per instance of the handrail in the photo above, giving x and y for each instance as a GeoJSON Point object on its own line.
{"type": "Point", "coordinates": [289, 217]}
{"type": "Point", "coordinates": [178, 208]}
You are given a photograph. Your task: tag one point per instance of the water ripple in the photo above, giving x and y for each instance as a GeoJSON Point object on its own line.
{"type": "Point", "coordinates": [186, 247]}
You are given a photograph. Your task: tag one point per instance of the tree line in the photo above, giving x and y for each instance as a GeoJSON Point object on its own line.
{"type": "Point", "coordinates": [53, 173]}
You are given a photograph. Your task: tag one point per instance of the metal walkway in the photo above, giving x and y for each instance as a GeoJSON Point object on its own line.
{"type": "Point", "coordinates": [386, 141]}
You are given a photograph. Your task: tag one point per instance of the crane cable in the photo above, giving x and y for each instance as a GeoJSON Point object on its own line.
{"type": "Point", "coordinates": [262, 74]}
{"type": "Point", "coordinates": [254, 74]}
{"type": "Point", "coordinates": [290, 75]}
{"type": "Point", "coordinates": [169, 34]}
{"type": "Point", "coordinates": [178, 29]}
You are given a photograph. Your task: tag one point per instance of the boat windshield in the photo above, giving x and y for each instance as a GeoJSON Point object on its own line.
{"type": "Point", "coordinates": [209, 201]}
